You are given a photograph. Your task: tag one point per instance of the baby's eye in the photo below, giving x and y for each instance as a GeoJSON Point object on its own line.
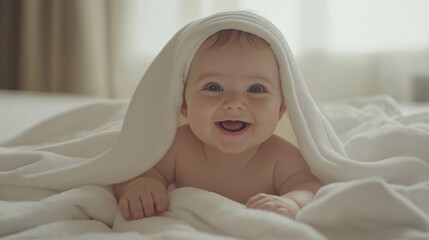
{"type": "Point", "coordinates": [256, 89]}
{"type": "Point", "coordinates": [214, 87]}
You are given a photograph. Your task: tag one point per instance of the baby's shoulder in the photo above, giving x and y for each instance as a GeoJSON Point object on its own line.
{"type": "Point", "coordinates": [280, 146]}
{"type": "Point", "coordinates": [283, 153]}
{"type": "Point", "coordinates": [288, 158]}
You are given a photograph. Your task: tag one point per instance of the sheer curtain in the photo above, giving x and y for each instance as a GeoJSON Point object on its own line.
{"type": "Point", "coordinates": [103, 47]}
{"type": "Point", "coordinates": [97, 47]}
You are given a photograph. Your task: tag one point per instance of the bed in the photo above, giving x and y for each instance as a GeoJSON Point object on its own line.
{"type": "Point", "coordinates": [366, 208]}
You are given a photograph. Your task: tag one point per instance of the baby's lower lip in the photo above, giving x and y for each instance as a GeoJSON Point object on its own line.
{"type": "Point", "coordinates": [233, 132]}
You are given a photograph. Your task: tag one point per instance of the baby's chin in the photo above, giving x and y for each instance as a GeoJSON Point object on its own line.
{"type": "Point", "coordinates": [235, 148]}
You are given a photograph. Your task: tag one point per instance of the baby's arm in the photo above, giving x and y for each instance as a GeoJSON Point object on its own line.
{"type": "Point", "coordinates": [146, 195]}
{"type": "Point", "coordinates": [294, 183]}
{"type": "Point", "coordinates": [288, 204]}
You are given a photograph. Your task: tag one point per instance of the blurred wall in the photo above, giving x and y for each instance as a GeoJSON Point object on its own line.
{"type": "Point", "coordinates": [343, 48]}
{"type": "Point", "coordinates": [103, 47]}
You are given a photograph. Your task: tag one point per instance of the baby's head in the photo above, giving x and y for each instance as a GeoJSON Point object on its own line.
{"type": "Point", "coordinates": [233, 99]}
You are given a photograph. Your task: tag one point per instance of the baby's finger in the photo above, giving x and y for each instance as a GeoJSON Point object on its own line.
{"type": "Point", "coordinates": [147, 203]}
{"type": "Point", "coordinates": [124, 207]}
{"type": "Point", "coordinates": [268, 205]}
{"type": "Point", "coordinates": [286, 212]}
{"type": "Point", "coordinates": [259, 203]}
{"type": "Point", "coordinates": [255, 199]}
{"type": "Point", "coordinates": [136, 208]}
{"type": "Point", "coordinates": [161, 201]}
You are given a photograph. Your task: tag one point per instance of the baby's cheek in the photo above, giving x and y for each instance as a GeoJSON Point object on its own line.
{"type": "Point", "coordinates": [200, 124]}
{"type": "Point", "coordinates": [199, 118]}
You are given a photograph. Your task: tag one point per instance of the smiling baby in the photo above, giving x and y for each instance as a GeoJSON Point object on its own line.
{"type": "Point", "coordinates": [233, 102]}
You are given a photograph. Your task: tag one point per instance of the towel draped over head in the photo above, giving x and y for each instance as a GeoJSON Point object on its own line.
{"type": "Point", "coordinates": [150, 123]}
{"type": "Point", "coordinates": [151, 120]}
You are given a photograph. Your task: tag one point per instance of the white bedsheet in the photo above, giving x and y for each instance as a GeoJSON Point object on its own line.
{"type": "Point", "coordinates": [368, 208]}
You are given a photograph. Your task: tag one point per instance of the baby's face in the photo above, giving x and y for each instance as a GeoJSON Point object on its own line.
{"type": "Point", "coordinates": [233, 99]}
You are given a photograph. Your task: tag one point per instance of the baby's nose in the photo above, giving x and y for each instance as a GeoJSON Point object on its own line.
{"type": "Point", "coordinates": [234, 102]}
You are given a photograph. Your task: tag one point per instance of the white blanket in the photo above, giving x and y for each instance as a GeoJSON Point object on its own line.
{"type": "Point", "coordinates": [363, 209]}
{"type": "Point", "coordinates": [55, 176]}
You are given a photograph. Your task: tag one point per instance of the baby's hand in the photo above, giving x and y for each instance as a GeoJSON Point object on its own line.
{"type": "Point", "coordinates": [279, 204]}
{"type": "Point", "coordinates": [143, 197]}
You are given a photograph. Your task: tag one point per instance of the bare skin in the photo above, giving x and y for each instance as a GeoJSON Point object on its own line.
{"type": "Point", "coordinates": [231, 86]}
{"type": "Point", "coordinates": [280, 184]}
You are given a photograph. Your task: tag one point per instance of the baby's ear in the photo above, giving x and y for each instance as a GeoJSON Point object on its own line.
{"type": "Point", "coordinates": [282, 110]}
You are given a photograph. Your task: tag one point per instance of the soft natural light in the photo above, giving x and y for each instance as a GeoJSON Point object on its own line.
{"type": "Point", "coordinates": [367, 26]}
{"type": "Point", "coordinates": [335, 26]}
{"type": "Point", "coordinates": [368, 46]}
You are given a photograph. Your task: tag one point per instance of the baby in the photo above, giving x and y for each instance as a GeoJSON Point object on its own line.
{"type": "Point", "coordinates": [233, 102]}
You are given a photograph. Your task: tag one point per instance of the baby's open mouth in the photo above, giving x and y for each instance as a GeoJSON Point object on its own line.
{"type": "Point", "coordinates": [233, 126]}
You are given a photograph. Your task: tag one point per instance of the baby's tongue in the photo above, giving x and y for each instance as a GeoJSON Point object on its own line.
{"type": "Point", "coordinates": [232, 125]}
